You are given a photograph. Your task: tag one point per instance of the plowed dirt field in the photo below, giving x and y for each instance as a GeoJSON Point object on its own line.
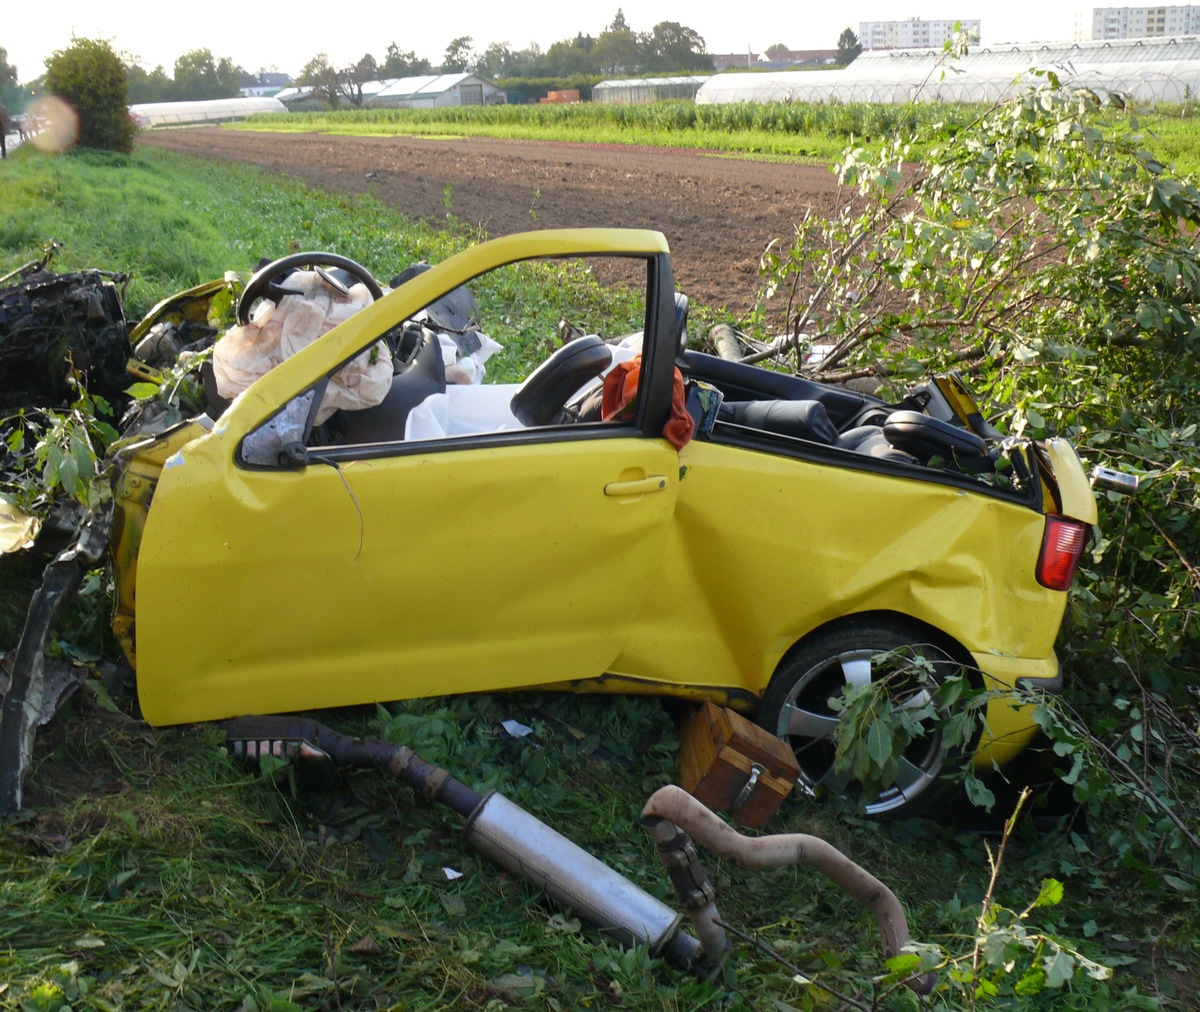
{"type": "Point", "coordinates": [718, 213]}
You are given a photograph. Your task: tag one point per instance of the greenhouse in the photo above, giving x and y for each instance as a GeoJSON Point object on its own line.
{"type": "Point", "coordinates": [647, 89]}
{"type": "Point", "coordinates": [1146, 71]}
{"type": "Point", "coordinates": [436, 90]}
{"type": "Point", "coordinates": [155, 114]}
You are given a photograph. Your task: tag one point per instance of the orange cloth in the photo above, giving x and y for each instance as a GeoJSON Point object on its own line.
{"type": "Point", "coordinates": [619, 402]}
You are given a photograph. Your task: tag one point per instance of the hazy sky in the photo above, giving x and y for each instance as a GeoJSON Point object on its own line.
{"type": "Point", "coordinates": [258, 35]}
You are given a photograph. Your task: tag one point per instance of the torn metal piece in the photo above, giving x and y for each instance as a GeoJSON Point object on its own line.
{"type": "Point", "coordinates": [25, 699]}
{"type": "Point", "coordinates": [60, 680]}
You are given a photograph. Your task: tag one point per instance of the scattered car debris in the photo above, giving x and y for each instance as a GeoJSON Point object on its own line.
{"type": "Point", "coordinates": [516, 728]}
{"type": "Point", "coordinates": [25, 704]}
{"type": "Point", "coordinates": [729, 763]}
{"type": "Point", "coordinates": [54, 327]}
{"type": "Point", "coordinates": [526, 846]}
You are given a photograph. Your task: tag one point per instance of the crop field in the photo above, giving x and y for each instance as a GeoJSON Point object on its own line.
{"type": "Point", "coordinates": [773, 129]}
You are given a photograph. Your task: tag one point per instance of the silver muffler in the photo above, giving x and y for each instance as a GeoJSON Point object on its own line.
{"type": "Point", "coordinates": [526, 846]}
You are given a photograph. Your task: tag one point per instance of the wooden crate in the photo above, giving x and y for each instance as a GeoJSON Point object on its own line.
{"type": "Point", "coordinates": [718, 753]}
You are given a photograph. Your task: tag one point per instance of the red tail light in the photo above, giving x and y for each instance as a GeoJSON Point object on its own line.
{"type": "Point", "coordinates": [1062, 547]}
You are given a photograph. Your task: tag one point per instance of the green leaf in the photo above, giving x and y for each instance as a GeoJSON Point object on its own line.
{"type": "Point", "coordinates": [1051, 894]}
{"type": "Point", "coordinates": [1060, 967]}
{"type": "Point", "coordinates": [879, 742]}
{"type": "Point", "coordinates": [979, 794]}
{"type": "Point", "coordinates": [904, 963]}
{"type": "Point", "coordinates": [53, 461]}
{"type": "Point", "coordinates": [99, 693]}
{"type": "Point", "coordinates": [1031, 982]}
{"type": "Point", "coordinates": [67, 473]}
{"type": "Point", "coordinates": [143, 391]}
{"type": "Point", "coordinates": [1178, 884]}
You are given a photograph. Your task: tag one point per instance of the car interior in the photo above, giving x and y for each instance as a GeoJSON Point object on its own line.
{"type": "Point", "coordinates": [744, 401]}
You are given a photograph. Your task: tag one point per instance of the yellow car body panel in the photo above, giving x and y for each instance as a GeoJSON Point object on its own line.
{"type": "Point", "coordinates": [141, 466]}
{"type": "Point", "coordinates": [371, 560]}
{"type": "Point", "coordinates": [730, 603]}
{"type": "Point", "coordinates": [1075, 494]}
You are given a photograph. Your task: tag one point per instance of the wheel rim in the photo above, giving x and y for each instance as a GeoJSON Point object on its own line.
{"type": "Point", "coordinates": [807, 723]}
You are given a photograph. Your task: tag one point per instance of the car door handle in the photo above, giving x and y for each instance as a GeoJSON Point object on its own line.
{"type": "Point", "coordinates": [651, 483]}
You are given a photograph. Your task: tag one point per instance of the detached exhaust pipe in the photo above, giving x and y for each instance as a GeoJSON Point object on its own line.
{"type": "Point", "coordinates": [492, 824]}
{"type": "Point", "coordinates": [526, 846]}
{"type": "Point", "coordinates": [671, 814]}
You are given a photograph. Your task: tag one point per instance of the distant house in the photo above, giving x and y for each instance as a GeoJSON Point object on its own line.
{"type": "Point", "coordinates": [258, 85]}
{"type": "Point", "coordinates": [789, 59]}
{"type": "Point", "coordinates": [426, 92]}
{"type": "Point", "coordinates": [913, 33]}
{"type": "Point", "coordinates": [735, 61]}
{"type": "Point", "coordinates": [300, 97]}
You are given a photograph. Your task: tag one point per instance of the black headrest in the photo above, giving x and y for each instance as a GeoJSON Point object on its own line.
{"type": "Point", "coordinates": [925, 437]}
{"type": "Point", "coordinates": [541, 397]}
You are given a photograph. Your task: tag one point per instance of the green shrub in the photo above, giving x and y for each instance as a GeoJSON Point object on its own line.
{"type": "Point", "coordinates": [1050, 256]}
{"type": "Point", "coordinates": [91, 78]}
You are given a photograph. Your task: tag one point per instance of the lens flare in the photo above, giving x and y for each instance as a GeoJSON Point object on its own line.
{"type": "Point", "coordinates": [57, 124]}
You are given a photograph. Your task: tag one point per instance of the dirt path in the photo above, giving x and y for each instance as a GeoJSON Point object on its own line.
{"type": "Point", "coordinates": [717, 213]}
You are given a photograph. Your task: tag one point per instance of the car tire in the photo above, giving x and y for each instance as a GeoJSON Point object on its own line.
{"type": "Point", "coordinates": [796, 707]}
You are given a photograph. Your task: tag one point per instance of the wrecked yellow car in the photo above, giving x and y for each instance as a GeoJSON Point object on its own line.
{"type": "Point", "coordinates": [633, 516]}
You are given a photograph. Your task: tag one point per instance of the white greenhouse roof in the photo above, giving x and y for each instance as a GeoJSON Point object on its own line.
{"type": "Point", "coordinates": [154, 114]}
{"type": "Point", "coordinates": [1143, 70]}
{"type": "Point", "coordinates": [430, 84]}
{"type": "Point", "coordinates": [650, 82]}
{"type": "Point", "coordinates": [292, 94]}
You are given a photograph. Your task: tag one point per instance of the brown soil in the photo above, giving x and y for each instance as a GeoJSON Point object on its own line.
{"type": "Point", "coordinates": [718, 214]}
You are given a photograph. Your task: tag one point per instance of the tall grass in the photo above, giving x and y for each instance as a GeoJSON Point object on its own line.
{"type": "Point", "coordinates": [174, 222]}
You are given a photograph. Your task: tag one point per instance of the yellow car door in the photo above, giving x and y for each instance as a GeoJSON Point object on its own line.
{"type": "Point", "coordinates": [433, 573]}
{"type": "Point", "coordinates": [400, 570]}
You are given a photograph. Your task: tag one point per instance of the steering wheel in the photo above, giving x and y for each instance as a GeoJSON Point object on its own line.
{"type": "Point", "coordinates": [266, 281]}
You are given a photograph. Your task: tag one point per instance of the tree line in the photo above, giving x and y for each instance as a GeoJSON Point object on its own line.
{"type": "Point", "coordinates": [617, 51]}
{"type": "Point", "coordinates": [668, 47]}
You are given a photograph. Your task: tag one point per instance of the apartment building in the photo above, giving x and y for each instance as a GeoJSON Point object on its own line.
{"type": "Point", "coordinates": [1142, 22]}
{"type": "Point", "coordinates": [911, 33]}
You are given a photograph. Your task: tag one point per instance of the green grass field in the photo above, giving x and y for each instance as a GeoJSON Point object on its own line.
{"type": "Point", "coordinates": [151, 872]}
